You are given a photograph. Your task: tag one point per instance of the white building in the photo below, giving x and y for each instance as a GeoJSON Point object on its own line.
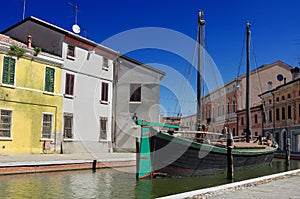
{"type": "Point", "coordinates": [87, 84]}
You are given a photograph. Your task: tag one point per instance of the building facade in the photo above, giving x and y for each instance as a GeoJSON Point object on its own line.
{"type": "Point", "coordinates": [101, 91]}
{"type": "Point", "coordinates": [226, 105]}
{"type": "Point", "coordinates": [87, 84]}
{"type": "Point", "coordinates": [282, 113]}
{"type": "Point", "coordinates": [30, 99]}
{"type": "Point", "coordinates": [137, 90]}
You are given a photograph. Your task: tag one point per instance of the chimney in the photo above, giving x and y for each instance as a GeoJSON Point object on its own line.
{"type": "Point", "coordinates": [295, 73]}
{"type": "Point", "coordinates": [29, 41]}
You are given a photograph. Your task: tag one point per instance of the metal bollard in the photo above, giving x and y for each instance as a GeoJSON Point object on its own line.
{"type": "Point", "coordinates": [229, 155]}
{"type": "Point", "coordinates": [94, 166]}
{"type": "Point", "coordinates": [288, 153]}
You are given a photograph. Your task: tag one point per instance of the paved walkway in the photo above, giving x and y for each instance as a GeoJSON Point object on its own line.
{"type": "Point", "coordinates": [283, 185]}
{"type": "Point", "coordinates": [25, 163]}
{"type": "Point", "coordinates": [21, 159]}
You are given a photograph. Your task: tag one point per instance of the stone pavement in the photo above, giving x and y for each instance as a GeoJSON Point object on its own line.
{"type": "Point", "coordinates": [24, 163]}
{"type": "Point", "coordinates": [283, 185]}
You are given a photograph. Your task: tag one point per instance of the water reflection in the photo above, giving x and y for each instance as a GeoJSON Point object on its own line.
{"type": "Point", "coordinates": [111, 183]}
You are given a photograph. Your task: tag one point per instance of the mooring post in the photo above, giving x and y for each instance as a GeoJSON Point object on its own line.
{"type": "Point", "coordinates": [288, 153]}
{"type": "Point", "coordinates": [229, 155]}
{"type": "Point", "coordinates": [94, 166]}
{"type": "Point", "coordinates": [137, 157]}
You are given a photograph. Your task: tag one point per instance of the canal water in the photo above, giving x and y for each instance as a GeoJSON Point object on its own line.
{"type": "Point", "coordinates": [117, 183]}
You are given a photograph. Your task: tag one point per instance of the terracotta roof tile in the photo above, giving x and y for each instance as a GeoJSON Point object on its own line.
{"type": "Point", "coordinates": [7, 39]}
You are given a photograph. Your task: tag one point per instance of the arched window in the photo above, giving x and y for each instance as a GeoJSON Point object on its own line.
{"type": "Point", "coordinates": [270, 85]}
{"type": "Point", "coordinates": [228, 106]}
{"type": "Point", "coordinates": [233, 104]}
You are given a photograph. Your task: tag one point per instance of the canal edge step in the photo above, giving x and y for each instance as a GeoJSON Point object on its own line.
{"type": "Point", "coordinates": [235, 185]}
{"type": "Point", "coordinates": [63, 165]}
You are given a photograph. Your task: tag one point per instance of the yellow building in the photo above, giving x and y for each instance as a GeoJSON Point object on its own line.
{"type": "Point", "coordinates": [30, 99]}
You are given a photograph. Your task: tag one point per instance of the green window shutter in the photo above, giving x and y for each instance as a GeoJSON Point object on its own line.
{"type": "Point", "coordinates": [49, 79]}
{"type": "Point", "coordinates": [8, 75]}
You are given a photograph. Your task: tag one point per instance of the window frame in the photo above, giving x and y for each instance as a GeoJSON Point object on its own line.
{"type": "Point", "coordinates": [68, 115]}
{"type": "Point", "coordinates": [105, 63]}
{"type": "Point", "coordinates": [101, 130]}
{"type": "Point", "coordinates": [67, 89]}
{"type": "Point", "coordinates": [277, 113]}
{"type": "Point", "coordinates": [289, 112]}
{"type": "Point", "coordinates": [73, 54]}
{"type": "Point", "coordinates": [283, 115]}
{"type": "Point", "coordinates": [135, 93]}
{"type": "Point", "coordinates": [104, 93]}
{"type": "Point", "coordinates": [51, 127]}
{"type": "Point", "coordinates": [15, 69]}
{"type": "Point", "coordinates": [10, 124]}
{"type": "Point", "coordinates": [270, 115]}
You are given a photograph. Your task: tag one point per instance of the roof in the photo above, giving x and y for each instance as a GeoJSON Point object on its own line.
{"type": "Point", "coordinates": [80, 38]}
{"type": "Point", "coordinates": [8, 40]}
{"type": "Point", "coordinates": [143, 65]}
{"type": "Point", "coordinates": [280, 86]}
{"type": "Point", "coordinates": [60, 30]}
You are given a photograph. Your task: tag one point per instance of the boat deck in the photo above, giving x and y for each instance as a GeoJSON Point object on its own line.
{"type": "Point", "coordinates": [244, 145]}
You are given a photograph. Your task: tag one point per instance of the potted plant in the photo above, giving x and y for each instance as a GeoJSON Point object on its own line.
{"type": "Point", "coordinates": [37, 50]}
{"type": "Point", "coordinates": [16, 50]}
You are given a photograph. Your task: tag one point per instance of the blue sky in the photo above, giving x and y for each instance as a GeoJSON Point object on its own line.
{"type": "Point", "coordinates": [275, 27]}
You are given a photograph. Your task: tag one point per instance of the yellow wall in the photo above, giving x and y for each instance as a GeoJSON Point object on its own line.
{"type": "Point", "coordinates": [28, 103]}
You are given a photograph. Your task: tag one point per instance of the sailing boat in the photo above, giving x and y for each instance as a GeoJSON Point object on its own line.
{"type": "Point", "coordinates": [160, 153]}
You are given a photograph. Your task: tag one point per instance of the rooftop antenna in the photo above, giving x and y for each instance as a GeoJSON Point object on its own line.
{"type": "Point", "coordinates": [75, 27]}
{"type": "Point", "coordinates": [24, 6]}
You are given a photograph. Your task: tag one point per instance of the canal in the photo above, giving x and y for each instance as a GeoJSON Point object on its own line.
{"type": "Point", "coordinates": [117, 183]}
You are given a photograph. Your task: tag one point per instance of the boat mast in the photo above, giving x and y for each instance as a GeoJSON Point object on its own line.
{"type": "Point", "coordinates": [201, 24]}
{"type": "Point", "coordinates": [248, 133]}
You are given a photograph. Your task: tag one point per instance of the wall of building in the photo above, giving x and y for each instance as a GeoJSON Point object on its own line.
{"type": "Point", "coordinates": [28, 101]}
{"type": "Point", "coordinates": [148, 109]}
{"type": "Point", "coordinates": [86, 105]}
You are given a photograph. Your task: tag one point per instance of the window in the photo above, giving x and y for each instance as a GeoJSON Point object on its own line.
{"type": "Point", "coordinates": [289, 112]}
{"type": "Point", "coordinates": [283, 113]}
{"type": "Point", "coordinates": [49, 79]}
{"type": "Point", "coordinates": [71, 51]}
{"type": "Point", "coordinates": [69, 89]}
{"type": "Point", "coordinates": [68, 126]}
{"type": "Point", "coordinates": [103, 128]}
{"type": "Point", "coordinates": [8, 73]}
{"type": "Point", "coordinates": [255, 118]}
{"type": "Point", "coordinates": [47, 126]}
{"type": "Point", "coordinates": [242, 120]}
{"type": "Point", "coordinates": [277, 114]}
{"type": "Point", "coordinates": [263, 117]}
{"type": "Point", "coordinates": [135, 92]}
{"type": "Point", "coordinates": [5, 123]}
{"type": "Point", "coordinates": [270, 86]}
{"type": "Point", "coordinates": [282, 97]}
{"type": "Point", "coordinates": [270, 101]}
{"type": "Point", "coordinates": [228, 106]}
{"type": "Point", "coordinates": [105, 64]}
{"type": "Point", "coordinates": [277, 99]}
{"type": "Point", "coordinates": [233, 104]}
{"type": "Point", "coordinates": [270, 116]}
{"type": "Point", "coordinates": [104, 92]}
{"type": "Point", "coordinates": [288, 95]}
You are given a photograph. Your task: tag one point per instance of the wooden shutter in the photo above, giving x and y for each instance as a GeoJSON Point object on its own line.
{"type": "Point", "coordinates": [8, 76]}
{"type": "Point", "coordinates": [69, 84]}
{"type": "Point", "coordinates": [49, 79]}
{"type": "Point", "coordinates": [104, 92]}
